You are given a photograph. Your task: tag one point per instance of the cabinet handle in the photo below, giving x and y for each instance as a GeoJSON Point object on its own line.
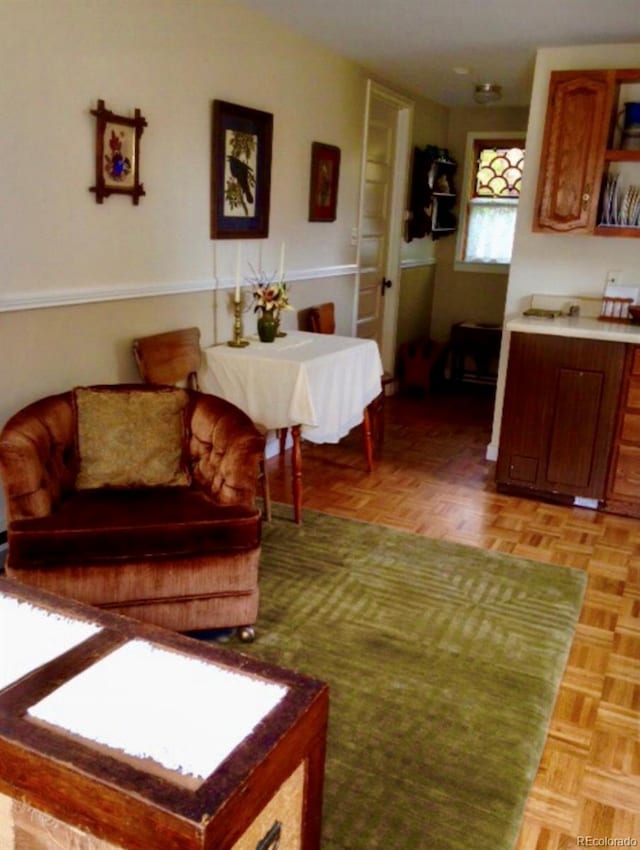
{"type": "Point", "coordinates": [586, 196]}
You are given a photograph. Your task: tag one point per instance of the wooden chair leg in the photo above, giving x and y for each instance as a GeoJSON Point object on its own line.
{"type": "Point", "coordinates": [376, 414]}
{"type": "Point", "coordinates": [296, 474]}
{"type": "Point", "coordinates": [379, 403]}
{"type": "Point", "coordinates": [266, 491]}
{"type": "Point", "coordinates": [368, 441]}
{"type": "Point", "coordinates": [282, 436]}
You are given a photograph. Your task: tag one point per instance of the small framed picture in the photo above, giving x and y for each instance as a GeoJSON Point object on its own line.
{"type": "Point", "coordinates": [117, 154]}
{"type": "Point", "coordinates": [323, 188]}
{"type": "Point", "coordinates": [240, 171]}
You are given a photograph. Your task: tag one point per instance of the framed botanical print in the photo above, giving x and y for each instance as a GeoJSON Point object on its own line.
{"type": "Point", "coordinates": [117, 154]}
{"type": "Point", "coordinates": [323, 187]}
{"type": "Point", "coordinates": [240, 171]}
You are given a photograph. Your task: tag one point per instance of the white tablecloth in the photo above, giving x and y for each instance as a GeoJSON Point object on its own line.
{"type": "Point", "coordinates": [321, 382]}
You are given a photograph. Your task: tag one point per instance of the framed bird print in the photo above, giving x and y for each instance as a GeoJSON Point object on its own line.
{"type": "Point", "coordinates": [240, 171]}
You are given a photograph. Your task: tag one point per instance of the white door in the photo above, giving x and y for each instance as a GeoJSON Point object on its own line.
{"type": "Point", "coordinates": [382, 203]}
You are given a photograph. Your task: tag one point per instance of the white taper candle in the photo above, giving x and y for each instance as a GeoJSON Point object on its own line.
{"type": "Point", "coordinates": [236, 297]}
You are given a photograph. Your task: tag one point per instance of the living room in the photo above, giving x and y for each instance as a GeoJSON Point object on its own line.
{"type": "Point", "coordinates": [81, 280]}
{"type": "Point", "coordinates": [134, 269]}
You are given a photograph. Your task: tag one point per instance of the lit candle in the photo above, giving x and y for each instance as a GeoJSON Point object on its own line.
{"type": "Point", "coordinates": [281, 275]}
{"type": "Point", "coordinates": [236, 297]}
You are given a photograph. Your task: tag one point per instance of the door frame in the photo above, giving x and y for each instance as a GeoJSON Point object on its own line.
{"type": "Point", "coordinates": [404, 108]}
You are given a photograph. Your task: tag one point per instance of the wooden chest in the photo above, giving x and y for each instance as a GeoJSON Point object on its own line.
{"type": "Point", "coordinates": [233, 752]}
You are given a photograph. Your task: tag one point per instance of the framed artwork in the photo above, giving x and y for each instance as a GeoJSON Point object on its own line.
{"type": "Point", "coordinates": [240, 171]}
{"type": "Point", "coordinates": [323, 187]}
{"type": "Point", "coordinates": [117, 154]}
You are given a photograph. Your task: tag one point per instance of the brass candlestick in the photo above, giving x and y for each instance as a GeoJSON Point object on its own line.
{"type": "Point", "coordinates": [237, 341]}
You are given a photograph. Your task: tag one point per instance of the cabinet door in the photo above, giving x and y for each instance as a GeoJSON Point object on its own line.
{"type": "Point", "coordinates": [624, 480]}
{"type": "Point", "coordinates": [572, 161]}
{"type": "Point", "coordinates": [559, 415]}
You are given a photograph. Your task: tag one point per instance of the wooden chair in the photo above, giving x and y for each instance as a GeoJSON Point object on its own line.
{"type": "Point", "coordinates": [322, 319]}
{"type": "Point", "coordinates": [174, 357]}
{"type": "Point", "coordinates": [169, 358]}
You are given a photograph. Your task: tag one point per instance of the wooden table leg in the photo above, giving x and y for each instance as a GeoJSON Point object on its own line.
{"type": "Point", "coordinates": [296, 472]}
{"type": "Point", "coordinates": [368, 443]}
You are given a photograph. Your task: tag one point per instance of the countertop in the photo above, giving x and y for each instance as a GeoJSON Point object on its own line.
{"type": "Point", "coordinates": [574, 326]}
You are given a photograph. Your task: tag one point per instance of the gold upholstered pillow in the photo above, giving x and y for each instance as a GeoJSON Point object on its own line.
{"type": "Point", "coordinates": [129, 437]}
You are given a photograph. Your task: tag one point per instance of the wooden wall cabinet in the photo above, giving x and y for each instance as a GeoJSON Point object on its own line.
{"type": "Point", "coordinates": [623, 494]}
{"type": "Point", "coordinates": [580, 147]}
{"type": "Point", "coordinates": [559, 416]}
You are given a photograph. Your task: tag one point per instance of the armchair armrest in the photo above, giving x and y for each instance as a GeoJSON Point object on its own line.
{"type": "Point", "coordinates": [37, 457]}
{"type": "Point", "coordinates": [225, 450]}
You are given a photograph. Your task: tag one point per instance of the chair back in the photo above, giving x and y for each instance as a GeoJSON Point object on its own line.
{"type": "Point", "coordinates": [173, 357]}
{"type": "Point", "coordinates": [322, 318]}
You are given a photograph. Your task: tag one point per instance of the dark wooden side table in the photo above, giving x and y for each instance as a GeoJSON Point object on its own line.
{"type": "Point", "coordinates": [61, 788]}
{"type": "Point", "coordinates": [475, 350]}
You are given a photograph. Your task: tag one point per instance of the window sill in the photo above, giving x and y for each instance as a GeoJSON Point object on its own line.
{"type": "Point", "coordinates": [482, 268]}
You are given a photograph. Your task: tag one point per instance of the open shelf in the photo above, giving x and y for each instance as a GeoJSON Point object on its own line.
{"type": "Point", "coordinates": [620, 155]}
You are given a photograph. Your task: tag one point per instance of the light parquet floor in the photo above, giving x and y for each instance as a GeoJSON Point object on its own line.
{"type": "Point", "coordinates": [432, 479]}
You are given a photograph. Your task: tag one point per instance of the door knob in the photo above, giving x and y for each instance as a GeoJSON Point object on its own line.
{"type": "Point", "coordinates": [386, 284]}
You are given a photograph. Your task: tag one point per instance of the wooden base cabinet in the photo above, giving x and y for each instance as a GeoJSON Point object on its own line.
{"type": "Point", "coordinates": [559, 416]}
{"type": "Point", "coordinates": [623, 494]}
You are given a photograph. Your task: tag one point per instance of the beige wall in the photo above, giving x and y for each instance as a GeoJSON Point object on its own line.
{"type": "Point", "coordinates": [78, 280]}
{"type": "Point", "coordinates": [474, 296]}
{"type": "Point", "coordinates": [415, 303]}
{"type": "Point", "coordinates": [559, 263]}
{"type": "Point", "coordinates": [170, 60]}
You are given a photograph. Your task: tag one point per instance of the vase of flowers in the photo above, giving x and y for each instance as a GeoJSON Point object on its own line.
{"type": "Point", "coordinates": [270, 298]}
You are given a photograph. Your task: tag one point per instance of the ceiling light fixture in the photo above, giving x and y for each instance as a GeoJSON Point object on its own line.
{"type": "Point", "coordinates": [487, 93]}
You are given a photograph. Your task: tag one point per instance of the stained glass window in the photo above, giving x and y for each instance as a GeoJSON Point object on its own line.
{"type": "Point", "coordinates": [499, 171]}
{"type": "Point", "coordinates": [493, 203]}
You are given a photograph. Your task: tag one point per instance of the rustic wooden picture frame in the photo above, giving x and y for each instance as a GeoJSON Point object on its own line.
{"type": "Point", "coordinates": [117, 154]}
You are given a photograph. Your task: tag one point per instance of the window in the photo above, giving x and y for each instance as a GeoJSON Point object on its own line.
{"type": "Point", "coordinates": [492, 182]}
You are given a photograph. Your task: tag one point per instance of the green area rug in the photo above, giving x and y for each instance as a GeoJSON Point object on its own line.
{"type": "Point", "coordinates": [443, 663]}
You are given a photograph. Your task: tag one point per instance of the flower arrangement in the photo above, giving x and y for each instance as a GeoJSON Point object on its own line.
{"type": "Point", "coordinates": [269, 295]}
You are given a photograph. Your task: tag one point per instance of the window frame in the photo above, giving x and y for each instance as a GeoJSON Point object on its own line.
{"type": "Point", "coordinates": [467, 192]}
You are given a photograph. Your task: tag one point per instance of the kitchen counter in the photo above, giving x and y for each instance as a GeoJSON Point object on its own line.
{"type": "Point", "coordinates": [575, 326]}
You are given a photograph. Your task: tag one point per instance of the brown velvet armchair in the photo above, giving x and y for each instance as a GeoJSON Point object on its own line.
{"type": "Point", "coordinates": [182, 555]}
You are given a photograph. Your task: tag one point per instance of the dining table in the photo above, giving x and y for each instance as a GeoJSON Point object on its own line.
{"type": "Point", "coordinates": [319, 386]}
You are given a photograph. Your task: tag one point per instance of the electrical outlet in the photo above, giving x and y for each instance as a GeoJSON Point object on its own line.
{"type": "Point", "coordinates": [614, 276]}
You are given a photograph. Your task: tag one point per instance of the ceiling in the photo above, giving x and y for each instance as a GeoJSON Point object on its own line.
{"type": "Point", "coordinates": [416, 44]}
